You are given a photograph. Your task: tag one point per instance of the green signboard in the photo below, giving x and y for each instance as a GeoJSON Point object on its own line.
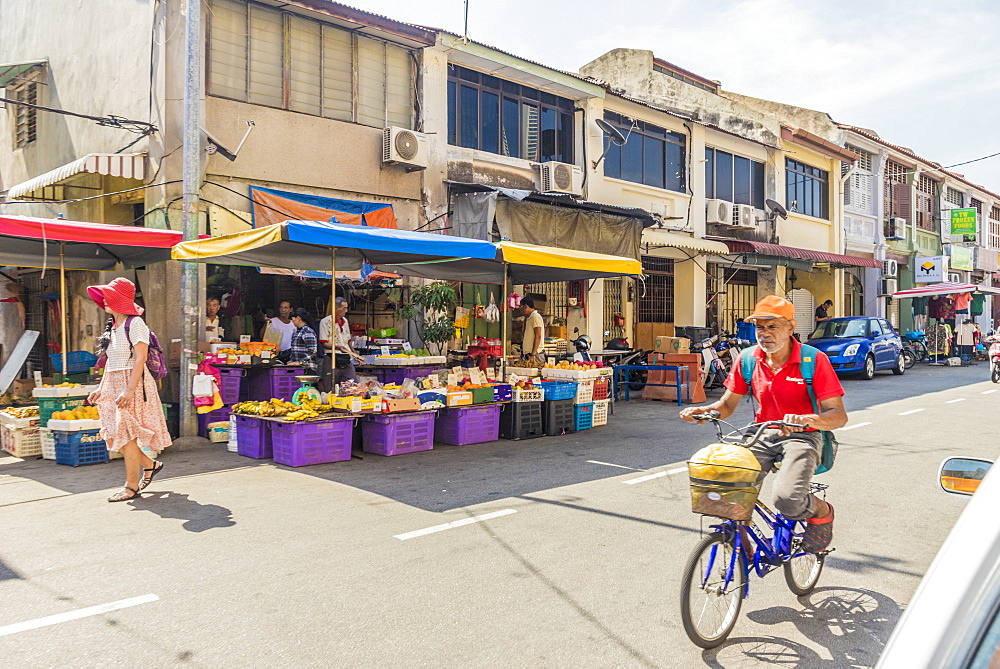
{"type": "Point", "coordinates": [963, 221]}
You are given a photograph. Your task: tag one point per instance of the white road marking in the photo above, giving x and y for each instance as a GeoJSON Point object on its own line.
{"type": "Point", "coordinates": [608, 464]}
{"type": "Point", "coordinates": [677, 471]}
{"type": "Point", "coordinates": [648, 477]}
{"type": "Point", "coordinates": [960, 399]}
{"type": "Point", "coordinates": [987, 392]}
{"type": "Point", "coordinates": [907, 413]}
{"type": "Point", "coordinates": [76, 615]}
{"type": "Point", "coordinates": [456, 523]}
{"type": "Point", "coordinates": [853, 427]}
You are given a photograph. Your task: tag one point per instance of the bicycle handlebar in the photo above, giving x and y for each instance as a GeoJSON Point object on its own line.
{"type": "Point", "coordinates": [716, 417]}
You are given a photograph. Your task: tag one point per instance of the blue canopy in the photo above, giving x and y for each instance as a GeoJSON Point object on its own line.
{"type": "Point", "coordinates": [307, 245]}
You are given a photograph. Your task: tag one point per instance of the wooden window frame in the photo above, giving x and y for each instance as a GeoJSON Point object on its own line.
{"type": "Point", "coordinates": [24, 120]}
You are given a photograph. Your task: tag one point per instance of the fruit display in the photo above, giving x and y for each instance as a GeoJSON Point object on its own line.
{"type": "Point", "coordinates": [524, 385]}
{"type": "Point", "coordinates": [518, 362]}
{"type": "Point", "coordinates": [21, 412]}
{"type": "Point", "coordinates": [79, 413]}
{"type": "Point", "coordinates": [579, 365]}
{"type": "Point", "coordinates": [63, 385]}
{"type": "Point", "coordinates": [275, 408]}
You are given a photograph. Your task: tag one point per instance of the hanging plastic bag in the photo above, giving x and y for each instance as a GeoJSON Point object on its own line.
{"type": "Point", "coordinates": [478, 309]}
{"type": "Point", "coordinates": [492, 312]}
{"type": "Point", "coordinates": [513, 301]}
{"type": "Point", "coordinates": [461, 317]}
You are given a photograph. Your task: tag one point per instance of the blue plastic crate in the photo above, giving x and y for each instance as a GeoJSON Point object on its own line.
{"type": "Point", "coordinates": [746, 330]}
{"type": "Point", "coordinates": [559, 390]}
{"type": "Point", "coordinates": [583, 416]}
{"type": "Point", "coordinates": [76, 361]}
{"type": "Point", "coordinates": [84, 447]}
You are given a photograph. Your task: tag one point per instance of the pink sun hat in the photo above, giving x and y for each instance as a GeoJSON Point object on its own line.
{"type": "Point", "coordinates": [118, 295]}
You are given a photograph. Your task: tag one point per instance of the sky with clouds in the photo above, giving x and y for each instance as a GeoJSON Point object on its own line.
{"type": "Point", "coordinates": [922, 74]}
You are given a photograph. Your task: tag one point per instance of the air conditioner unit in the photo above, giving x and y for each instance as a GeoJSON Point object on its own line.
{"type": "Point", "coordinates": [404, 147]}
{"type": "Point", "coordinates": [561, 178]}
{"type": "Point", "coordinates": [954, 277]}
{"type": "Point", "coordinates": [719, 212]}
{"type": "Point", "coordinates": [890, 269]}
{"type": "Point", "coordinates": [895, 228]}
{"type": "Point", "coordinates": [888, 286]}
{"type": "Point", "coordinates": [744, 217]}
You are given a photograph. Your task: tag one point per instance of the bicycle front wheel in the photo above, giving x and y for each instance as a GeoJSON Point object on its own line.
{"type": "Point", "coordinates": [802, 571]}
{"type": "Point", "coordinates": [710, 596]}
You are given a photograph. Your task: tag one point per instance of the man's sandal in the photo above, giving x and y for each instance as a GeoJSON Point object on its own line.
{"type": "Point", "coordinates": [150, 473]}
{"type": "Point", "coordinates": [123, 496]}
{"type": "Point", "coordinates": [818, 534]}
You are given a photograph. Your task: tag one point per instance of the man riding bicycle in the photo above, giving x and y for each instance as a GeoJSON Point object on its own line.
{"type": "Point", "coordinates": [778, 385]}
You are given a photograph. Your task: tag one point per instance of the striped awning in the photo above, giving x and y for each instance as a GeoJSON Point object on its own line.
{"type": "Point", "coordinates": [125, 165]}
{"type": "Point", "coordinates": [945, 288]}
{"type": "Point", "coordinates": [654, 238]}
{"type": "Point", "coordinates": [763, 248]}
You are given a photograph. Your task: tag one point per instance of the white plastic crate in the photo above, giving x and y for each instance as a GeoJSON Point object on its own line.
{"type": "Point", "coordinates": [48, 443]}
{"type": "Point", "coordinates": [528, 395]}
{"type": "Point", "coordinates": [21, 442]}
{"type": "Point", "coordinates": [570, 374]}
{"type": "Point", "coordinates": [14, 421]}
{"type": "Point", "coordinates": [584, 392]}
{"type": "Point", "coordinates": [601, 412]}
{"type": "Point", "coordinates": [79, 391]}
{"type": "Point", "coordinates": [74, 425]}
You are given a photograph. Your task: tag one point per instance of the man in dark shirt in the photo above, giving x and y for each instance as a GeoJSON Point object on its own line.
{"type": "Point", "coordinates": [822, 311]}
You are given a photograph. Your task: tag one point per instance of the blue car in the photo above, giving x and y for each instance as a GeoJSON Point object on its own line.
{"type": "Point", "coordinates": [860, 345]}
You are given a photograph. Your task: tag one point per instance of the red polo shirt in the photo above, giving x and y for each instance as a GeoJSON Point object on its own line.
{"type": "Point", "coordinates": [784, 392]}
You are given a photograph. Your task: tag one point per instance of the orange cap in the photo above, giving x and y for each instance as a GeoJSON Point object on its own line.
{"type": "Point", "coordinates": [772, 307]}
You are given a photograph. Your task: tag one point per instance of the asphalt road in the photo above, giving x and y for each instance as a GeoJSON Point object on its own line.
{"type": "Point", "coordinates": [577, 564]}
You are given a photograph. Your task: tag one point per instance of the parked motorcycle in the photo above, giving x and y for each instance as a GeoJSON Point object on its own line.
{"type": "Point", "coordinates": [994, 354]}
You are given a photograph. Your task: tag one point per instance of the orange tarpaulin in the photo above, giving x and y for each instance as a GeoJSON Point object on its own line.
{"type": "Point", "coordinates": [272, 206]}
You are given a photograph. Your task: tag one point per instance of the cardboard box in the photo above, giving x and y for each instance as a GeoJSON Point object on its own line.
{"type": "Point", "coordinates": [23, 387]}
{"type": "Point", "coordinates": [672, 345]}
{"type": "Point", "coordinates": [174, 351]}
{"type": "Point", "coordinates": [646, 334]}
{"type": "Point", "coordinates": [557, 331]}
{"type": "Point", "coordinates": [411, 404]}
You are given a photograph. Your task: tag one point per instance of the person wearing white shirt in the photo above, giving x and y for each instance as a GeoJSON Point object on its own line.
{"type": "Point", "coordinates": [213, 324]}
{"type": "Point", "coordinates": [281, 327]}
{"type": "Point", "coordinates": [335, 332]}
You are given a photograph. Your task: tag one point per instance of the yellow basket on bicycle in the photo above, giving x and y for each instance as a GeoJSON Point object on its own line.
{"type": "Point", "coordinates": [724, 481]}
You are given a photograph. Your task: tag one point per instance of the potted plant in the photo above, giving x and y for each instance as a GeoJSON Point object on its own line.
{"type": "Point", "coordinates": [438, 332]}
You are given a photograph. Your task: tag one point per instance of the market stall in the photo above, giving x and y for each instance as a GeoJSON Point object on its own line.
{"type": "Point", "coordinates": [517, 407]}
{"type": "Point", "coordinates": [941, 310]}
{"type": "Point", "coordinates": [60, 427]}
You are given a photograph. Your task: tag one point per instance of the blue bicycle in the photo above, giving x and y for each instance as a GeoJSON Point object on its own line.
{"type": "Point", "coordinates": [716, 578]}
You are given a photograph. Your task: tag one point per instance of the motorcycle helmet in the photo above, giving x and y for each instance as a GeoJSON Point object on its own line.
{"type": "Point", "coordinates": [583, 342]}
{"type": "Point", "coordinates": [618, 344]}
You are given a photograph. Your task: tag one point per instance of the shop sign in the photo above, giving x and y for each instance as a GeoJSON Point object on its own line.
{"type": "Point", "coordinates": [963, 221]}
{"type": "Point", "coordinates": [930, 269]}
{"type": "Point", "coordinates": [961, 257]}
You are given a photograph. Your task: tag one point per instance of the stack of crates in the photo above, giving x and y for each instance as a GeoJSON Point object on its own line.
{"type": "Point", "coordinates": [558, 413]}
{"type": "Point", "coordinates": [20, 436]}
{"type": "Point", "coordinates": [230, 391]}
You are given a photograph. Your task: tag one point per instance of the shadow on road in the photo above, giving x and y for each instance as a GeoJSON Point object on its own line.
{"type": "Point", "coordinates": [851, 624]}
{"type": "Point", "coordinates": [6, 573]}
{"type": "Point", "coordinates": [198, 517]}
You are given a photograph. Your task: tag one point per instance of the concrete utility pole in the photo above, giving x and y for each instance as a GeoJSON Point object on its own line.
{"type": "Point", "coordinates": [190, 291]}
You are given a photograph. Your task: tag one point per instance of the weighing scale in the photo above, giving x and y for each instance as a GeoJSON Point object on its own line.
{"type": "Point", "coordinates": [307, 389]}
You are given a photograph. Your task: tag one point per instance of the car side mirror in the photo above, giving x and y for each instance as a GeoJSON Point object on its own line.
{"type": "Point", "coordinates": [961, 476]}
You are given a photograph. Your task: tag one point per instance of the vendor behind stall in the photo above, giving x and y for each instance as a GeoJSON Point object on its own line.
{"type": "Point", "coordinates": [304, 348]}
{"type": "Point", "coordinates": [213, 324]}
{"type": "Point", "coordinates": [335, 331]}
{"type": "Point", "coordinates": [534, 327]}
{"type": "Point", "coordinates": [280, 328]}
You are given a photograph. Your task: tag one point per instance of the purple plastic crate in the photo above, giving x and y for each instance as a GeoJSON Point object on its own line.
{"type": "Point", "coordinates": [253, 437]}
{"type": "Point", "coordinates": [216, 416]}
{"type": "Point", "coordinates": [311, 443]}
{"type": "Point", "coordinates": [395, 434]}
{"type": "Point", "coordinates": [391, 375]}
{"type": "Point", "coordinates": [417, 372]}
{"type": "Point", "coordinates": [231, 380]}
{"type": "Point", "coordinates": [459, 426]}
{"type": "Point", "coordinates": [274, 382]}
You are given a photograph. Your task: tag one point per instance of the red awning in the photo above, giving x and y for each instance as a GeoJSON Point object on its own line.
{"type": "Point", "coordinates": [37, 242]}
{"type": "Point", "coordinates": [763, 248]}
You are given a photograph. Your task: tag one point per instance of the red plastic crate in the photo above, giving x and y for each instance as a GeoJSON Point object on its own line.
{"type": "Point", "coordinates": [602, 389]}
{"type": "Point", "coordinates": [311, 443]}
{"type": "Point", "coordinates": [460, 426]}
{"type": "Point", "coordinates": [395, 434]}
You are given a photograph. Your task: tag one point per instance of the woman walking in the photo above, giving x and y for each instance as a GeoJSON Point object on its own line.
{"type": "Point", "coordinates": [127, 399]}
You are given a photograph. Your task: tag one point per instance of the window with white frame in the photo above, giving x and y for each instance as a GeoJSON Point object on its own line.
{"type": "Point", "coordinates": [858, 190]}
{"type": "Point", "coordinates": [24, 120]}
{"type": "Point", "coordinates": [265, 56]}
{"type": "Point", "coordinates": [993, 234]}
{"type": "Point", "coordinates": [953, 196]}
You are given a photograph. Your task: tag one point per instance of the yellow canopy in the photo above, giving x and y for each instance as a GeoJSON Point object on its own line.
{"type": "Point", "coordinates": [532, 264]}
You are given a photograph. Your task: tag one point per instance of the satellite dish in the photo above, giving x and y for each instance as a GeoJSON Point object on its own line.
{"type": "Point", "coordinates": [613, 133]}
{"type": "Point", "coordinates": [776, 209]}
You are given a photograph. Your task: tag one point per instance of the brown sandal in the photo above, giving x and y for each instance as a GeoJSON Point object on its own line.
{"type": "Point", "coordinates": [122, 496]}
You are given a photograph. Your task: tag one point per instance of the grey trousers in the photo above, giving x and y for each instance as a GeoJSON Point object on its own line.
{"type": "Point", "coordinates": [801, 453]}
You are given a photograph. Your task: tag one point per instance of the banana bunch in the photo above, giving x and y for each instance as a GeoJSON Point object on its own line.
{"type": "Point", "coordinates": [270, 408]}
{"type": "Point", "coordinates": [301, 414]}
{"type": "Point", "coordinates": [22, 412]}
{"type": "Point", "coordinates": [314, 405]}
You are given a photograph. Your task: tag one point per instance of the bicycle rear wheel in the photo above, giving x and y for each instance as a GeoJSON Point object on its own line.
{"type": "Point", "coordinates": [802, 571]}
{"type": "Point", "coordinates": [909, 358]}
{"type": "Point", "coordinates": [710, 603]}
